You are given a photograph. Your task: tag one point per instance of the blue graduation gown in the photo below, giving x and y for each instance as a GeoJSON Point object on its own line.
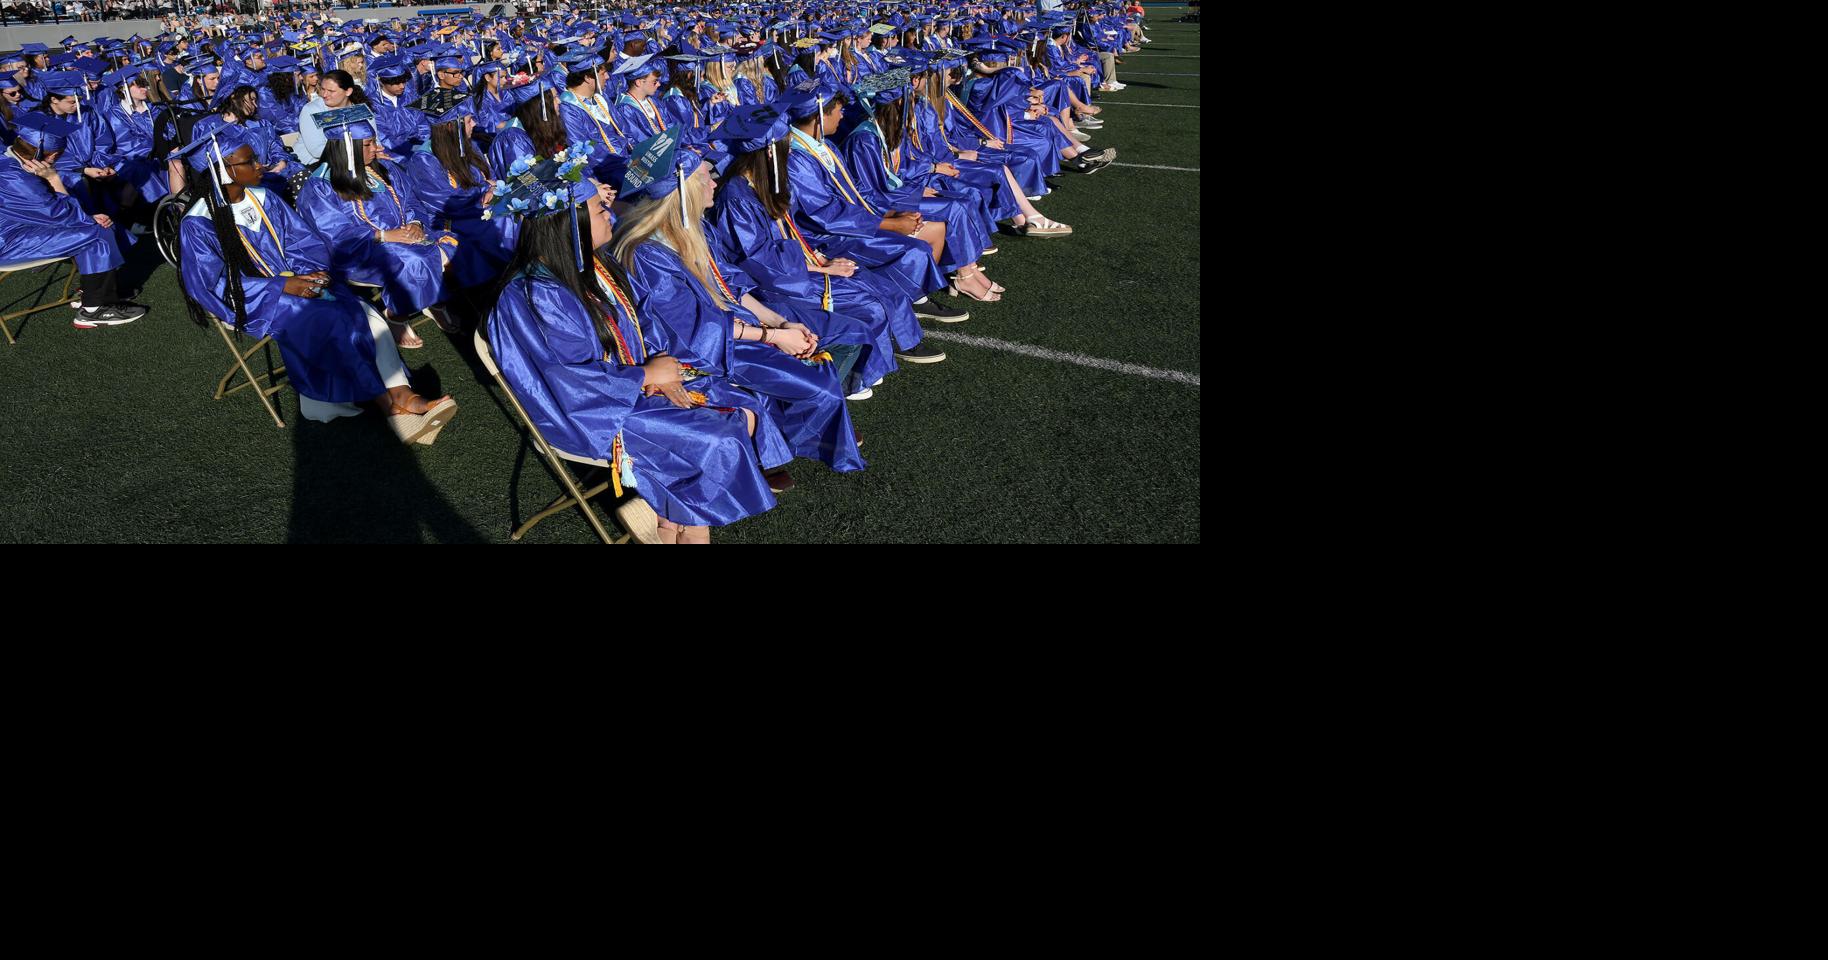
{"type": "Point", "coordinates": [327, 343]}
{"type": "Point", "coordinates": [837, 223]}
{"type": "Point", "coordinates": [282, 115]}
{"type": "Point", "coordinates": [88, 143]}
{"type": "Point", "coordinates": [492, 116]}
{"type": "Point", "coordinates": [937, 143]}
{"type": "Point", "coordinates": [696, 467]}
{"type": "Point", "coordinates": [38, 223]}
{"type": "Point", "coordinates": [635, 119]}
{"type": "Point", "coordinates": [865, 309]}
{"type": "Point", "coordinates": [402, 128]}
{"type": "Point", "coordinates": [605, 135]}
{"type": "Point", "coordinates": [967, 230]}
{"type": "Point", "coordinates": [685, 113]}
{"type": "Point", "coordinates": [133, 142]}
{"type": "Point", "coordinates": [804, 400]}
{"type": "Point", "coordinates": [480, 258]}
{"type": "Point", "coordinates": [411, 276]}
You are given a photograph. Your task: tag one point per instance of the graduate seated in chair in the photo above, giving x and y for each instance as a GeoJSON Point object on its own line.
{"type": "Point", "coordinates": [251, 262]}
{"type": "Point", "coordinates": [713, 320]}
{"type": "Point", "coordinates": [39, 220]}
{"type": "Point", "coordinates": [364, 207]}
{"type": "Point", "coordinates": [600, 377]}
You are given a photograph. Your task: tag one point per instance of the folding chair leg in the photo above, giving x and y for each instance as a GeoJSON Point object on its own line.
{"type": "Point", "coordinates": [69, 281]}
{"type": "Point", "coordinates": [241, 367]}
{"type": "Point", "coordinates": [573, 497]}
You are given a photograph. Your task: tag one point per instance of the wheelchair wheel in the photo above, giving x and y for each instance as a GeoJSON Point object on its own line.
{"type": "Point", "coordinates": [167, 220]}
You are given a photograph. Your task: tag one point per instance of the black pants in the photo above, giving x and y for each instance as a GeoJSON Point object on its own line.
{"type": "Point", "coordinates": [99, 290]}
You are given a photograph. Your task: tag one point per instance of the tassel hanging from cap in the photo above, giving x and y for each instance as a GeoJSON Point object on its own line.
{"type": "Point", "coordinates": [577, 241]}
{"type": "Point", "coordinates": [774, 175]}
{"type": "Point", "coordinates": [683, 222]}
{"type": "Point", "coordinates": [349, 148]}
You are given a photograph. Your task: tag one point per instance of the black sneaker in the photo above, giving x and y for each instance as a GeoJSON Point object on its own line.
{"type": "Point", "coordinates": [114, 316]}
{"type": "Point", "coordinates": [920, 353]}
{"type": "Point", "coordinates": [931, 310]}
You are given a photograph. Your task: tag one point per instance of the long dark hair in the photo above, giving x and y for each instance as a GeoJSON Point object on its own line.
{"type": "Point", "coordinates": [460, 161]}
{"type": "Point", "coordinates": [754, 165]}
{"type": "Point", "coordinates": [234, 255]}
{"type": "Point", "coordinates": [284, 87]}
{"type": "Point", "coordinates": [351, 183]}
{"type": "Point", "coordinates": [892, 120]}
{"type": "Point", "coordinates": [546, 242]}
{"type": "Point", "coordinates": [548, 135]}
{"type": "Point", "coordinates": [243, 102]}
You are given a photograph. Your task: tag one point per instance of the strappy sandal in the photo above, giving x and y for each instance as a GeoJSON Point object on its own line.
{"type": "Point", "coordinates": [422, 428]}
{"type": "Point", "coordinates": [404, 336]}
{"type": "Point", "coordinates": [957, 290]}
{"type": "Point", "coordinates": [1043, 227]}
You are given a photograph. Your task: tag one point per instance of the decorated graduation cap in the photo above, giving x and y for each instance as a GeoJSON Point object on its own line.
{"type": "Point", "coordinates": [537, 187]}
{"type": "Point", "coordinates": [659, 167]}
{"type": "Point", "coordinates": [879, 88]}
{"type": "Point", "coordinates": [42, 131]}
{"type": "Point", "coordinates": [809, 98]}
{"type": "Point", "coordinates": [353, 123]}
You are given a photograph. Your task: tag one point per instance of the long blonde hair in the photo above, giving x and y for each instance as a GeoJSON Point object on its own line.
{"type": "Point", "coordinates": [356, 66]}
{"type": "Point", "coordinates": [660, 215]}
{"type": "Point", "coordinates": [721, 76]}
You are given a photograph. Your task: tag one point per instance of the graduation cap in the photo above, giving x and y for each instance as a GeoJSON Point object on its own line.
{"type": "Point", "coordinates": [391, 69]}
{"type": "Point", "coordinates": [878, 88]}
{"type": "Point", "coordinates": [42, 131]}
{"type": "Point", "coordinates": [756, 127]}
{"type": "Point", "coordinates": [356, 122]}
{"type": "Point", "coordinates": [212, 148]}
{"type": "Point", "coordinates": [33, 49]}
{"type": "Point", "coordinates": [659, 167]}
{"type": "Point", "coordinates": [636, 67]}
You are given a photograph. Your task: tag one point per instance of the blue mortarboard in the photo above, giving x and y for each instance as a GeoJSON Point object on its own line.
{"type": "Point", "coordinates": [42, 131]}
{"type": "Point", "coordinates": [123, 76]}
{"type": "Point", "coordinates": [351, 123]}
{"type": "Point", "coordinates": [283, 64]}
{"type": "Point", "coordinates": [453, 62]}
{"type": "Point", "coordinates": [581, 62]}
{"type": "Point", "coordinates": [8, 83]}
{"type": "Point", "coordinates": [67, 83]}
{"type": "Point", "coordinates": [633, 67]}
{"type": "Point", "coordinates": [33, 49]}
{"type": "Point", "coordinates": [654, 170]}
{"type": "Point", "coordinates": [209, 147]}
{"type": "Point", "coordinates": [747, 129]}
{"type": "Point", "coordinates": [388, 67]}
{"type": "Point", "coordinates": [882, 87]}
{"type": "Point", "coordinates": [444, 106]}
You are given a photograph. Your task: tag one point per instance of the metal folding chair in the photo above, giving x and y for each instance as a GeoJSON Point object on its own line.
{"type": "Point", "coordinates": [27, 266]}
{"type": "Point", "coordinates": [274, 376]}
{"type": "Point", "coordinates": [633, 513]}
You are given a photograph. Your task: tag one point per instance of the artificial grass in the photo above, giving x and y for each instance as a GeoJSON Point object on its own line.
{"type": "Point", "coordinates": [110, 436]}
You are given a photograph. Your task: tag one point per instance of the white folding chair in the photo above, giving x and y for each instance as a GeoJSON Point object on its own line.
{"type": "Point", "coordinates": [633, 513]}
{"type": "Point", "coordinates": [27, 266]}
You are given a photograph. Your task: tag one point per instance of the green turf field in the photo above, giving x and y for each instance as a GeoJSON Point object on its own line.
{"type": "Point", "coordinates": [112, 436]}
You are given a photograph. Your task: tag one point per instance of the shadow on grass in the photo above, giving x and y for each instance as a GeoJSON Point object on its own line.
{"type": "Point", "coordinates": [356, 483]}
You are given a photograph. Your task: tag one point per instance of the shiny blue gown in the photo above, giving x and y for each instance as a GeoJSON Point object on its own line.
{"type": "Point", "coordinates": [967, 224]}
{"type": "Point", "coordinates": [805, 400]}
{"type": "Point", "coordinates": [928, 144]}
{"type": "Point", "coordinates": [133, 143]}
{"type": "Point", "coordinates": [695, 467]}
{"type": "Point", "coordinates": [411, 276]}
{"type": "Point", "coordinates": [327, 343]}
{"type": "Point", "coordinates": [402, 128]}
{"type": "Point", "coordinates": [38, 223]}
{"type": "Point", "coordinates": [610, 141]}
{"type": "Point", "coordinates": [838, 224]}
{"type": "Point", "coordinates": [481, 257]}
{"type": "Point", "coordinates": [1030, 167]}
{"type": "Point", "coordinates": [864, 309]}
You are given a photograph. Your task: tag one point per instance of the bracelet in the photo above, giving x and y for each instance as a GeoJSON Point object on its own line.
{"type": "Point", "coordinates": [764, 334]}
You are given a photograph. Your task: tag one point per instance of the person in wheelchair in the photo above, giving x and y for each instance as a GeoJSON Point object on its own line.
{"type": "Point", "coordinates": [254, 264]}
{"type": "Point", "coordinates": [39, 220]}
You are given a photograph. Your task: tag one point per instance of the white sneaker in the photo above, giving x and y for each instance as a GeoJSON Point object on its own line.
{"type": "Point", "coordinates": [863, 394]}
{"type": "Point", "coordinates": [1081, 137]}
{"type": "Point", "coordinates": [1120, 86]}
{"type": "Point", "coordinates": [878, 382]}
{"type": "Point", "coordinates": [1033, 199]}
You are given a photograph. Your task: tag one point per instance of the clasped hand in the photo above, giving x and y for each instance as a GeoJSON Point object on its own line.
{"type": "Point", "coordinates": [309, 286]}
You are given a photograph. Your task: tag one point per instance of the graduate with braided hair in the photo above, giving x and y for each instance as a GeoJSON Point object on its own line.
{"type": "Point", "coordinates": [249, 261]}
